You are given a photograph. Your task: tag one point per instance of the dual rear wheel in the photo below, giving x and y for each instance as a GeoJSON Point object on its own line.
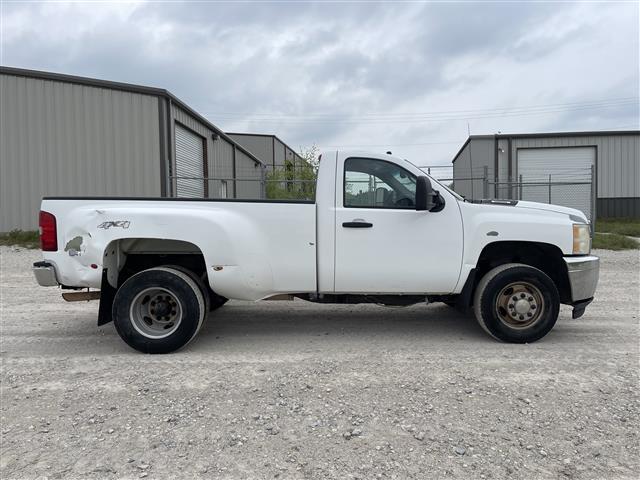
{"type": "Point", "coordinates": [161, 309]}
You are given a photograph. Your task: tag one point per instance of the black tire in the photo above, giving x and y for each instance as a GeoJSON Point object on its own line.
{"type": "Point", "coordinates": [130, 299]}
{"type": "Point", "coordinates": [212, 299]}
{"type": "Point", "coordinates": [200, 281]}
{"type": "Point", "coordinates": [516, 303]}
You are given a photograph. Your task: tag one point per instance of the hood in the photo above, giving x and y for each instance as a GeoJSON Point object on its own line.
{"type": "Point", "coordinates": [576, 215]}
{"type": "Point", "coordinates": [549, 207]}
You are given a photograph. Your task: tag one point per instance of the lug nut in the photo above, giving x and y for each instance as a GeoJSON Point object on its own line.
{"type": "Point", "coordinates": [522, 295]}
{"type": "Point", "coordinates": [521, 317]}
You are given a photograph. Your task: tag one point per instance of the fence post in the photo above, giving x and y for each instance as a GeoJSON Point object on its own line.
{"type": "Point", "coordinates": [549, 188]}
{"type": "Point", "coordinates": [485, 181]}
{"type": "Point", "coordinates": [520, 185]}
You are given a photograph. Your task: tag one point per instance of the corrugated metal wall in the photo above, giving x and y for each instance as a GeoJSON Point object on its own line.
{"type": "Point", "coordinates": [268, 148]}
{"type": "Point", "coordinates": [618, 160]}
{"type": "Point", "coordinates": [617, 167]}
{"type": "Point", "coordinates": [279, 153]}
{"type": "Point", "coordinates": [59, 138]}
{"type": "Point", "coordinates": [618, 207]}
{"type": "Point", "coordinates": [220, 155]}
{"type": "Point", "coordinates": [250, 177]}
{"type": "Point", "coordinates": [468, 169]}
{"type": "Point", "coordinates": [262, 146]}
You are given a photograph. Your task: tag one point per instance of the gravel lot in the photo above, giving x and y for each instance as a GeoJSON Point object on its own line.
{"type": "Point", "coordinates": [297, 390]}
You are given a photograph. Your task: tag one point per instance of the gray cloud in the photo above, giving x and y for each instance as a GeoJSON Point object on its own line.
{"type": "Point", "coordinates": [287, 65]}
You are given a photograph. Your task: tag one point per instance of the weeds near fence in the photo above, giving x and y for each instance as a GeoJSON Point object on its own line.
{"type": "Point", "coordinates": [612, 241]}
{"type": "Point", "coordinates": [21, 238]}
{"type": "Point", "coordinates": [622, 226]}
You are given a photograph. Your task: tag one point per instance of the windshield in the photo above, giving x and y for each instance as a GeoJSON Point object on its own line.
{"type": "Point", "coordinates": [458, 196]}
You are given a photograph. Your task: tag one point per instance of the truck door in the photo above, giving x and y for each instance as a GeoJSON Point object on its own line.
{"type": "Point", "coordinates": [383, 245]}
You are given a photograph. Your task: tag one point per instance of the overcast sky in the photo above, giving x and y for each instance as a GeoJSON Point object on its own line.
{"type": "Point", "coordinates": [406, 77]}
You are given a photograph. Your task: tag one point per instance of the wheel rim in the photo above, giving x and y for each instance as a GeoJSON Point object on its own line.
{"type": "Point", "coordinates": [156, 313]}
{"type": "Point", "coordinates": [520, 305]}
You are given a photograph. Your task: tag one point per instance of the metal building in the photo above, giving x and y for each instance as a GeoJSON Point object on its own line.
{"type": "Point", "coordinates": [68, 135]}
{"type": "Point", "coordinates": [596, 172]}
{"type": "Point", "coordinates": [268, 148]}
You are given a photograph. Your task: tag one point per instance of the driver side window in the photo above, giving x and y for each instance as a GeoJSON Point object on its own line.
{"type": "Point", "coordinates": [372, 183]}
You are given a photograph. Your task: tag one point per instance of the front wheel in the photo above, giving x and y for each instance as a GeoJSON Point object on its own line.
{"type": "Point", "coordinates": [159, 310]}
{"type": "Point", "coordinates": [516, 303]}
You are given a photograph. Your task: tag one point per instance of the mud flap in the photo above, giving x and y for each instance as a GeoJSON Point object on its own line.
{"type": "Point", "coordinates": [579, 307]}
{"type": "Point", "coordinates": [107, 294]}
{"type": "Point", "coordinates": [465, 299]}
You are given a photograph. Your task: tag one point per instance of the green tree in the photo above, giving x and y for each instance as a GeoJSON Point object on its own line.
{"type": "Point", "coordinates": [296, 180]}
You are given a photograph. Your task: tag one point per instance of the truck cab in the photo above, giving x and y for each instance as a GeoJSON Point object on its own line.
{"type": "Point", "coordinates": [379, 231]}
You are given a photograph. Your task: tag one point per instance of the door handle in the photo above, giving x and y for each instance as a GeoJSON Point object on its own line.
{"type": "Point", "coordinates": [357, 223]}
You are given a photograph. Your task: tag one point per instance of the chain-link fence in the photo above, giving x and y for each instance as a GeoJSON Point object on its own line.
{"type": "Point", "coordinates": [574, 188]}
{"type": "Point", "coordinates": [270, 183]}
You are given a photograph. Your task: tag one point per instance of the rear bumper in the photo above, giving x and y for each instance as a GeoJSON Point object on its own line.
{"type": "Point", "coordinates": [583, 276]}
{"type": "Point", "coordinates": [45, 274]}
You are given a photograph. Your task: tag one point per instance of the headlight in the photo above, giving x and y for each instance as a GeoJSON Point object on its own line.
{"type": "Point", "coordinates": [581, 239]}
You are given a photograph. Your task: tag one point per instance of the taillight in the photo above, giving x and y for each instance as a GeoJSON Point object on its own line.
{"type": "Point", "coordinates": [48, 232]}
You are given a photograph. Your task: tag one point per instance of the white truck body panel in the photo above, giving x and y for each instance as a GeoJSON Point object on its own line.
{"type": "Point", "coordinates": [253, 250]}
{"type": "Point", "coordinates": [263, 248]}
{"type": "Point", "coordinates": [405, 252]}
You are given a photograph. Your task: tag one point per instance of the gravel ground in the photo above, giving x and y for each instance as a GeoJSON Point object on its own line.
{"type": "Point", "coordinates": [297, 390]}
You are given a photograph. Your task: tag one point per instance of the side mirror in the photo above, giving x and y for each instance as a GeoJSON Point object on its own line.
{"type": "Point", "coordinates": [424, 194]}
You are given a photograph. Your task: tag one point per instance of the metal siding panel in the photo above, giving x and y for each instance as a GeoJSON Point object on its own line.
{"type": "Point", "coordinates": [67, 139]}
{"type": "Point", "coordinates": [477, 154]}
{"type": "Point", "coordinates": [219, 152]}
{"type": "Point", "coordinates": [618, 207]}
{"type": "Point", "coordinates": [461, 170]}
{"type": "Point", "coordinates": [259, 145]}
{"type": "Point", "coordinates": [249, 177]}
{"type": "Point", "coordinates": [617, 160]}
{"type": "Point", "coordinates": [279, 153]}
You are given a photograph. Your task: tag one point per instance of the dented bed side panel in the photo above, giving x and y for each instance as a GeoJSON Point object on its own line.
{"type": "Point", "coordinates": [251, 250]}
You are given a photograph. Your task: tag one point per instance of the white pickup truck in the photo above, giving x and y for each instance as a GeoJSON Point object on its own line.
{"type": "Point", "coordinates": [379, 231]}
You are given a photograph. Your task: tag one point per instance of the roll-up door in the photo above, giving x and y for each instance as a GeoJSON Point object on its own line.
{"type": "Point", "coordinates": [561, 176]}
{"type": "Point", "coordinates": [189, 163]}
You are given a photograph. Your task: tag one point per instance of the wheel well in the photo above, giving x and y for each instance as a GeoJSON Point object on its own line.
{"type": "Point", "coordinates": [543, 256]}
{"type": "Point", "coordinates": [126, 257]}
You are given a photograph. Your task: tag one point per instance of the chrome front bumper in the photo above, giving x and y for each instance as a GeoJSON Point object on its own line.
{"type": "Point", "coordinates": [45, 274]}
{"type": "Point", "coordinates": [583, 276]}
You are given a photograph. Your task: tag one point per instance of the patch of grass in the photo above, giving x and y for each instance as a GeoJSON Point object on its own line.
{"type": "Point", "coordinates": [621, 226]}
{"type": "Point", "coordinates": [21, 238]}
{"type": "Point", "coordinates": [613, 241]}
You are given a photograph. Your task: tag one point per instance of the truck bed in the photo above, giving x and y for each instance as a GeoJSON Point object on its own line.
{"type": "Point", "coordinates": [252, 248]}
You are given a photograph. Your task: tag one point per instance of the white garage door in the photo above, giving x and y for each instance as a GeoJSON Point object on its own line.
{"type": "Point", "coordinates": [568, 169]}
{"type": "Point", "coordinates": [189, 163]}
